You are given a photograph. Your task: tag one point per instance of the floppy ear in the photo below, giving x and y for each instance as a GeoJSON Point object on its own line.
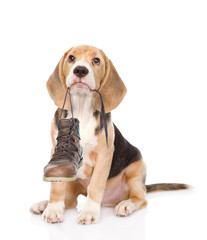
{"type": "Point", "coordinates": [112, 88]}
{"type": "Point", "coordinates": [56, 85]}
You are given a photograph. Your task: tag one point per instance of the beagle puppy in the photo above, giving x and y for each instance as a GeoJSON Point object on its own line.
{"type": "Point", "coordinates": [111, 176]}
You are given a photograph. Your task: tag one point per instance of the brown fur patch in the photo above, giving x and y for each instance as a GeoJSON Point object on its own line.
{"type": "Point", "coordinates": [96, 114]}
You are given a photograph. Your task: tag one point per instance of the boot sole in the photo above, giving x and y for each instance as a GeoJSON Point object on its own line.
{"type": "Point", "coordinates": [62, 179]}
{"type": "Point", "coordinates": [59, 179]}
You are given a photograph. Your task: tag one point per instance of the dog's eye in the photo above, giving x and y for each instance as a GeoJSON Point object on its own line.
{"type": "Point", "coordinates": [71, 58]}
{"type": "Point", "coordinates": [96, 61]}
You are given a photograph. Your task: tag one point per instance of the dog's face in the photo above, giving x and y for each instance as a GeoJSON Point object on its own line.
{"type": "Point", "coordinates": [85, 68]}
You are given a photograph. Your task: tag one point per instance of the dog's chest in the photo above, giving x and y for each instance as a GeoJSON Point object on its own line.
{"type": "Point", "coordinates": [83, 111]}
{"type": "Point", "coordinates": [87, 134]}
{"type": "Point", "coordinates": [88, 143]}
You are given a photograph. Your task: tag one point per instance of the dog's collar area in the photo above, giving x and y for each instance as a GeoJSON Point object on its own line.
{"type": "Point", "coordinates": [103, 122]}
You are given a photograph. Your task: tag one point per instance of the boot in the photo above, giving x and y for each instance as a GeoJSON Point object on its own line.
{"type": "Point", "coordinates": [67, 157]}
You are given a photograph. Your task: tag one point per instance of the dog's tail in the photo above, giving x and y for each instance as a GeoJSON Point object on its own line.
{"type": "Point", "coordinates": [166, 187]}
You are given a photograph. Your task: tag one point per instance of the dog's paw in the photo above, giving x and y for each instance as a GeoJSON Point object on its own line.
{"type": "Point", "coordinates": [90, 213]}
{"type": "Point", "coordinates": [54, 212]}
{"type": "Point", "coordinates": [124, 208]}
{"type": "Point", "coordinates": [86, 217]}
{"type": "Point", "coordinates": [39, 207]}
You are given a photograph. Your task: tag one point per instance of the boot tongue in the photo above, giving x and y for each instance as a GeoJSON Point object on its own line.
{"type": "Point", "coordinates": [65, 125]}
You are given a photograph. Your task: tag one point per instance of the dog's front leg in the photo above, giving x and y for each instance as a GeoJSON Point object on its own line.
{"type": "Point", "coordinates": [55, 208]}
{"type": "Point", "coordinates": [92, 209]}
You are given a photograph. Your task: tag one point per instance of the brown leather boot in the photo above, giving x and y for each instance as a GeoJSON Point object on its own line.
{"type": "Point", "coordinates": [67, 158]}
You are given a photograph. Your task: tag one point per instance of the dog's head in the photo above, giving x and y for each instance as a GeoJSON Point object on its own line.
{"type": "Point", "coordinates": [83, 69]}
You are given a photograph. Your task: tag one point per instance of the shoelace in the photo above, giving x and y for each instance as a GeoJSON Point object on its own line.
{"type": "Point", "coordinates": [66, 144]}
{"type": "Point", "coordinates": [103, 122]}
{"type": "Point", "coordinates": [71, 107]}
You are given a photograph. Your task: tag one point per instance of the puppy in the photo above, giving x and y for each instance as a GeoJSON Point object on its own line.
{"type": "Point", "coordinates": [111, 176]}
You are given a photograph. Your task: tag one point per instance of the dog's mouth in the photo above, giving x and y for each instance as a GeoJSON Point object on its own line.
{"type": "Point", "coordinates": [80, 85]}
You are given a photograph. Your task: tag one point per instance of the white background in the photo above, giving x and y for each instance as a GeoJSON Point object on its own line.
{"type": "Point", "coordinates": [159, 49]}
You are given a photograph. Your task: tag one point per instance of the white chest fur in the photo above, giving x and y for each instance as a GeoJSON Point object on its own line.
{"type": "Point", "coordinates": [83, 111]}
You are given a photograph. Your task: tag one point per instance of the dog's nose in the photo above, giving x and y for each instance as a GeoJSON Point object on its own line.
{"type": "Point", "coordinates": [80, 71]}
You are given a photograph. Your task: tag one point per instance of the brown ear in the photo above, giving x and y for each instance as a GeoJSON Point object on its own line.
{"type": "Point", "coordinates": [56, 85]}
{"type": "Point", "coordinates": [112, 88]}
